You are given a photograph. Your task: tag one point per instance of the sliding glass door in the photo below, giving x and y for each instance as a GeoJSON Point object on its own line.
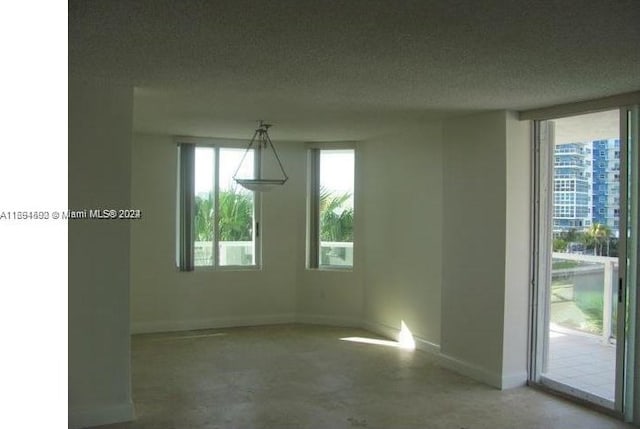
{"type": "Point", "coordinates": [583, 218]}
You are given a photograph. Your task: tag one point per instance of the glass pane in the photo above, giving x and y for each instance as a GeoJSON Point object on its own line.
{"type": "Point", "coordinates": [582, 295]}
{"type": "Point", "coordinates": [336, 207]}
{"type": "Point", "coordinates": [236, 207]}
{"type": "Point", "coordinates": [203, 248]}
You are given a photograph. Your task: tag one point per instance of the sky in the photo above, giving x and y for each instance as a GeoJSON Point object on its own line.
{"type": "Point", "coordinates": [229, 161]}
{"type": "Point", "coordinates": [336, 169]}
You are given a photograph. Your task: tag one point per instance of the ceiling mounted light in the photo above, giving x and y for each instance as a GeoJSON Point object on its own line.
{"type": "Point", "coordinates": [267, 171]}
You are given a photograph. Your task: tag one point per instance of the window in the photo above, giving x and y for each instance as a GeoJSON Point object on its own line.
{"type": "Point", "coordinates": [217, 218]}
{"type": "Point", "coordinates": [331, 208]}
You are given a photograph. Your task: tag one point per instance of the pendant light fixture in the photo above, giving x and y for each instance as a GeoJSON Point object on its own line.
{"type": "Point", "coordinates": [268, 171]}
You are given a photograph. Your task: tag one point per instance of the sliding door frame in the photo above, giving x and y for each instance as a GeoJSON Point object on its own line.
{"type": "Point", "coordinates": [542, 205]}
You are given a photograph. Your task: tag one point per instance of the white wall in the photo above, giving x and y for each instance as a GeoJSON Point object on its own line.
{"type": "Point", "coordinates": [401, 206]}
{"type": "Point", "coordinates": [335, 296]}
{"type": "Point", "coordinates": [486, 247]}
{"type": "Point", "coordinates": [474, 242]}
{"type": "Point", "coordinates": [517, 251]}
{"type": "Point", "coordinates": [441, 244]}
{"type": "Point", "coordinates": [99, 177]}
{"type": "Point", "coordinates": [164, 299]}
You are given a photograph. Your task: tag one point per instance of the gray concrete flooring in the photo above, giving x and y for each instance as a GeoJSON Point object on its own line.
{"type": "Point", "coordinates": [301, 376]}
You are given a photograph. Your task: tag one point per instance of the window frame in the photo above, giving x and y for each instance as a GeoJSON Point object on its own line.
{"type": "Point", "coordinates": [217, 145]}
{"type": "Point", "coordinates": [313, 256]}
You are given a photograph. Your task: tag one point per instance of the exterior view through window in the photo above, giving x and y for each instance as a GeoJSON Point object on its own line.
{"type": "Point", "coordinates": [224, 213]}
{"type": "Point", "coordinates": [331, 209]}
{"type": "Point", "coordinates": [583, 242]}
{"type": "Point", "coordinates": [236, 218]}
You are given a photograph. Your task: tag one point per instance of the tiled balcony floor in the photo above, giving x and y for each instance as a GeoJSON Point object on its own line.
{"type": "Point", "coordinates": [582, 362]}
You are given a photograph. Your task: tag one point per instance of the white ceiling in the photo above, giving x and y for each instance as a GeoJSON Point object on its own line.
{"type": "Point", "coordinates": [350, 69]}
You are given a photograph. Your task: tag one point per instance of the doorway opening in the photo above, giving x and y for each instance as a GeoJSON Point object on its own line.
{"type": "Point", "coordinates": [581, 259]}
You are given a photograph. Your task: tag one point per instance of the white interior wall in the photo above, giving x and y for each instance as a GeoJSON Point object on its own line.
{"type": "Point", "coordinates": [334, 296]}
{"type": "Point", "coordinates": [474, 245]}
{"type": "Point", "coordinates": [440, 211]}
{"type": "Point", "coordinates": [486, 252]}
{"type": "Point", "coordinates": [330, 297]}
{"type": "Point", "coordinates": [517, 251]}
{"type": "Point", "coordinates": [401, 200]}
{"type": "Point", "coordinates": [100, 118]}
{"type": "Point", "coordinates": [163, 298]}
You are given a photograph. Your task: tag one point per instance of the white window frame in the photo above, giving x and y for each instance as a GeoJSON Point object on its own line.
{"type": "Point", "coordinates": [182, 250]}
{"type": "Point", "coordinates": [313, 204]}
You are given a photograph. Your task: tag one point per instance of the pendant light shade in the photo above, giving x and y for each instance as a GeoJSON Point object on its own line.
{"type": "Point", "coordinates": [267, 172]}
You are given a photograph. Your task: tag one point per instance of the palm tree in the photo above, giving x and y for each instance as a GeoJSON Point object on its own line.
{"type": "Point", "coordinates": [336, 220]}
{"type": "Point", "coordinates": [236, 216]}
{"type": "Point", "coordinates": [204, 218]}
{"type": "Point", "coordinates": [596, 236]}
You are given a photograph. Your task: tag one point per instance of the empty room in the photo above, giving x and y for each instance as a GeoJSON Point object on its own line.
{"type": "Point", "coordinates": [358, 213]}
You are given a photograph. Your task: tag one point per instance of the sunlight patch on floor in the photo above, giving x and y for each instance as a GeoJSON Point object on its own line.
{"type": "Point", "coordinates": [405, 339]}
{"type": "Point", "coordinates": [373, 341]}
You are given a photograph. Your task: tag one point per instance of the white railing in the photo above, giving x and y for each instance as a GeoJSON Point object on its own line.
{"type": "Point", "coordinates": [610, 265]}
{"type": "Point", "coordinates": [336, 253]}
{"type": "Point", "coordinates": [231, 253]}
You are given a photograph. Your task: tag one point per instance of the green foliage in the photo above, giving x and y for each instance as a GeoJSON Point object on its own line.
{"type": "Point", "coordinates": [236, 216]}
{"type": "Point", "coordinates": [597, 236]}
{"type": "Point", "coordinates": [235, 220]}
{"type": "Point", "coordinates": [597, 240]}
{"type": "Point", "coordinates": [559, 245]}
{"type": "Point", "coordinates": [591, 304]}
{"type": "Point", "coordinates": [336, 220]}
{"type": "Point", "coordinates": [204, 218]}
{"type": "Point", "coordinates": [561, 264]}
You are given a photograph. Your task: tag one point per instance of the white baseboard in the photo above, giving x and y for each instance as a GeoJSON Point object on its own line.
{"type": "Point", "coordinates": [113, 413]}
{"type": "Point", "coordinates": [470, 370]}
{"type": "Point", "coordinates": [213, 323]}
{"type": "Point", "coordinates": [515, 379]}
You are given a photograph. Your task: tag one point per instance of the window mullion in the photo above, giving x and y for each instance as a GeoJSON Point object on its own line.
{"type": "Point", "coordinates": [257, 212]}
{"type": "Point", "coordinates": [186, 207]}
{"type": "Point", "coordinates": [216, 207]}
{"type": "Point", "coordinates": [314, 208]}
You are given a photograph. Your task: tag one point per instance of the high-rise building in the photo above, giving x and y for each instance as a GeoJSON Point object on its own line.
{"type": "Point", "coordinates": [571, 187]}
{"type": "Point", "coordinates": [586, 185]}
{"type": "Point", "coordinates": [606, 183]}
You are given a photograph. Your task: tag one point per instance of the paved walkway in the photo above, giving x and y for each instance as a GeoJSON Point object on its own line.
{"type": "Point", "coordinates": [582, 362]}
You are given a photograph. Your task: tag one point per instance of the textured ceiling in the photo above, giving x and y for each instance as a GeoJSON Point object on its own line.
{"type": "Point", "coordinates": [350, 69]}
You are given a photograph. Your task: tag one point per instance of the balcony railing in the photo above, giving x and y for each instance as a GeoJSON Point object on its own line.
{"type": "Point", "coordinates": [336, 253]}
{"type": "Point", "coordinates": [583, 288]}
{"type": "Point", "coordinates": [234, 253]}
{"type": "Point", "coordinates": [239, 253]}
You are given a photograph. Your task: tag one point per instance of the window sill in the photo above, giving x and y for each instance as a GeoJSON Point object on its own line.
{"type": "Point", "coordinates": [227, 268]}
{"type": "Point", "coordinates": [333, 268]}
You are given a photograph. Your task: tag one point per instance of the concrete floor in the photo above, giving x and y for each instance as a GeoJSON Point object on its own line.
{"type": "Point", "coordinates": [300, 376]}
